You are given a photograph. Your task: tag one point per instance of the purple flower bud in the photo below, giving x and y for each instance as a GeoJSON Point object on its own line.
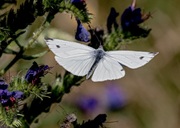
{"type": "Point", "coordinates": [8, 93]}
{"type": "Point", "coordinates": [1, 91]}
{"type": "Point", "coordinates": [115, 97]}
{"type": "Point", "coordinates": [87, 103]}
{"type": "Point", "coordinates": [111, 20]}
{"type": "Point", "coordinates": [31, 72]}
{"type": "Point", "coordinates": [18, 94]}
{"type": "Point", "coordinates": [4, 102]}
{"type": "Point", "coordinates": [4, 94]}
{"type": "Point", "coordinates": [3, 84]}
{"type": "Point", "coordinates": [81, 33]}
{"type": "Point", "coordinates": [35, 72]}
{"type": "Point", "coordinates": [131, 18]}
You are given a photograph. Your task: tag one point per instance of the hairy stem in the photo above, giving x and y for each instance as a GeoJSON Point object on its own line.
{"type": "Point", "coordinates": [23, 49]}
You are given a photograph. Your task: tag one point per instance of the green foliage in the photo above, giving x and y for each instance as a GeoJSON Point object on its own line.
{"type": "Point", "coordinates": [14, 23]}
{"type": "Point", "coordinates": [10, 117]}
{"type": "Point", "coordinates": [82, 14]}
{"type": "Point", "coordinates": [5, 3]}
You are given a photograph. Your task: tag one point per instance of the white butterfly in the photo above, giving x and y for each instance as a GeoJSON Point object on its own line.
{"type": "Point", "coordinates": [83, 60]}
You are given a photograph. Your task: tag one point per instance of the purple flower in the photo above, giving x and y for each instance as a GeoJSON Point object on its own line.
{"type": "Point", "coordinates": [111, 20]}
{"type": "Point", "coordinates": [131, 18]}
{"type": "Point", "coordinates": [81, 33]}
{"type": "Point", "coordinates": [115, 98]}
{"type": "Point", "coordinates": [8, 98]}
{"type": "Point", "coordinates": [35, 73]}
{"type": "Point", "coordinates": [18, 94]}
{"type": "Point", "coordinates": [87, 103]}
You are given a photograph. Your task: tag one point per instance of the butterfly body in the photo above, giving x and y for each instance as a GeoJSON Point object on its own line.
{"type": "Point", "coordinates": [98, 55]}
{"type": "Point", "coordinates": [82, 60]}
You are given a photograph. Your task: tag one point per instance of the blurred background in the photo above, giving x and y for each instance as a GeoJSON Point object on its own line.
{"type": "Point", "coordinates": [148, 97]}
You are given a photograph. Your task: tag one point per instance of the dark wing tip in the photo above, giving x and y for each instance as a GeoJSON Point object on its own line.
{"type": "Point", "coordinates": [48, 39]}
{"type": "Point", "coordinates": [154, 53]}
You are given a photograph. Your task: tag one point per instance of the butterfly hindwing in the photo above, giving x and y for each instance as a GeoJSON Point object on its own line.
{"type": "Point", "coordinates": [132, 59]}
{"type": "Point", "coordinates": [77, 65]}
{"type": "Point", "coordinates": [108, 69]}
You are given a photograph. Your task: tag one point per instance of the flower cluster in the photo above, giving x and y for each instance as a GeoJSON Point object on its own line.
{"type": "Point", "coordinates": [8, 98]}
{"type": "Point", "coordinates": [131, 18]}
{"type": "Point", "coordinates": [130, 29]}
{"type": "Point", "coordinates": [35, 73]}
{"type": "Point", "coordinates": [81, 33]}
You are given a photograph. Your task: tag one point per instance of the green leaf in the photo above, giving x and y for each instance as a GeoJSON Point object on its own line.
{"type": "Point", "coordinates": [35, 56]}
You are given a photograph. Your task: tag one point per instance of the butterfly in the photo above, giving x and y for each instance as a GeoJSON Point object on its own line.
{"type": "Point", "coordinates": [102, 65]}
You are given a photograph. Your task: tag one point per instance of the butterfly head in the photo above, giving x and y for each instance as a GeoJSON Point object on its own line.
{"type": "Point", "coordinates": [100, 52]}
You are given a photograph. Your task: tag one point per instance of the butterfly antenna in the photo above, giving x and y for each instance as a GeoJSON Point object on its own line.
{"type": "Point", "coordinates": [95, 34]}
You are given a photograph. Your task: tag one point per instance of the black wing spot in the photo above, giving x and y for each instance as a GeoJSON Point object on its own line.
{"type": "Point", "coordinates": [57, 46]}
{"type": "Point", "coordinates": [153, 53]}
{"type": "Point", "coordinates": [141, 57]}
{"type": "Point", "coordinates": [122, 69]}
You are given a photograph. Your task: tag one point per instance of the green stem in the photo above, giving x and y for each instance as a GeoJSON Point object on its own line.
{"type": "Point", "coordinates": [17, 57]}
{"type": "Point", "coordinates": [23, 49]}
{"type": "Point", "coordinates": [18, 44]}
{"type": "Point", "coordinates": [10, 51]}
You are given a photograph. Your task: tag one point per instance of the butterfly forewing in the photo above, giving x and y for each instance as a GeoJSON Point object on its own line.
{"type": "Point", "coordinates": [75, 58]}
{"type": "Point", "coordinates": [108, 69]}
{"type": "Point", "coordinates": [132, 59]}
{"type": "Point", "coordinates": [66, 49]}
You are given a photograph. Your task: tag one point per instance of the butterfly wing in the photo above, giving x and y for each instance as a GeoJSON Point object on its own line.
{"type": "Point", "coordinates": [74, 57]}
{"type": "Point", "coordinates": [77, 65]}
{"type": "Point", "coordinates": [65, 49]}
{"type": "Point", "coordinates": [108, 69]}
{"type": "Point", "coordinates": [132, 59]}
